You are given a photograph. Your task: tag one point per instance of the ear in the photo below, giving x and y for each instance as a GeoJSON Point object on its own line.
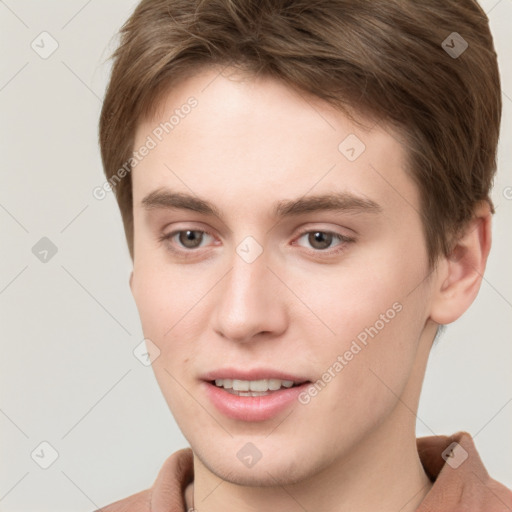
{"type": "Point", "coordinates": [131, 281]}
{"type": "Point", "coordinates": [460, 274]}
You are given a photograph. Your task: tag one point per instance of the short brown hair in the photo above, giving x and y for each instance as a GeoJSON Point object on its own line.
{"type": "Point", "coordinates": [389, 58]}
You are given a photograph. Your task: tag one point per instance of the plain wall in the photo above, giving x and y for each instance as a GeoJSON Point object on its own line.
{"type": "Point", "coordinates": [69, 326]}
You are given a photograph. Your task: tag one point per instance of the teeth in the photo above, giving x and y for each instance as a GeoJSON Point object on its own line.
{"type": "Point", "coordinates": [253, 385]}
{"type": "Point", "coordinates": [240, 385]}
{"type": "Point", "coordinates": [274, 384]}
{"type": "Point", "coordinates": [225, 383]}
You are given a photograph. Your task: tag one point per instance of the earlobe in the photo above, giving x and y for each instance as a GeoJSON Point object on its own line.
{"type": "Point", "coordinates": [461, 272]}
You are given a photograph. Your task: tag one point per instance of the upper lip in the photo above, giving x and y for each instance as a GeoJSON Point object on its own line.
{"type": "Point", "coordinates": [252, 374]}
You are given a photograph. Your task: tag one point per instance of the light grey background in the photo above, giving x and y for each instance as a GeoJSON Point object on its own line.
{"type": "Point", "coordinates": [69, 326]}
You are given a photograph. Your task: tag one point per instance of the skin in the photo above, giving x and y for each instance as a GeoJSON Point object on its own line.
{"type": "Point", "coordinates": [248, 144]}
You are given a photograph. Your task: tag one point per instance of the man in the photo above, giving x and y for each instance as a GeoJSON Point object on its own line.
{"type": "Point", "coordinates": [305, 193]}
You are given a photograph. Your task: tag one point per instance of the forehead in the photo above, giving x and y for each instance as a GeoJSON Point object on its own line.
{"type": "Point", "coordinates": [246, 142]}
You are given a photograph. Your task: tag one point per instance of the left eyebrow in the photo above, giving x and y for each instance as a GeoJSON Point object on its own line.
{"type": "Point", "coordinates": [340, 202]}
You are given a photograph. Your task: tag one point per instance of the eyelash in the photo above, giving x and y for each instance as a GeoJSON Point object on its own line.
{"type": "Point", "coordinates": [344, 240]}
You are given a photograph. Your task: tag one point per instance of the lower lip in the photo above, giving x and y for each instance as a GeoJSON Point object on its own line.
{"type": "Point", "coordinates": [253, 408]}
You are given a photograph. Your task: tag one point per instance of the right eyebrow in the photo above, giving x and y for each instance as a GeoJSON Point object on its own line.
{"type": "Point", "coordinates": [162, 198]}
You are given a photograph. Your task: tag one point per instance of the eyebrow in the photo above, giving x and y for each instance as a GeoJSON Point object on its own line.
{"type": "Point", "coordinates": [339, 202]}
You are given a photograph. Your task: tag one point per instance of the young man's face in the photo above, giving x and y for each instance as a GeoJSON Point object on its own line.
{"type": "Point", "coordinates": [273, 283]}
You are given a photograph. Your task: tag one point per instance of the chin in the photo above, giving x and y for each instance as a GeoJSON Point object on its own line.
{"type": "Point", "coordinates": [276, 467]}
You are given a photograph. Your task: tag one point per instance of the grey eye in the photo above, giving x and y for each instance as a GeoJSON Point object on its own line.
{"type": "Point", "coordinates": [320, 239]}
{"type": "Point", "coordinates": [190, 238]}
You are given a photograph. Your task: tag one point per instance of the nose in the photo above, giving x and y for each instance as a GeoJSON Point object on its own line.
{"type": "Point", "coordinates": [250, 303]}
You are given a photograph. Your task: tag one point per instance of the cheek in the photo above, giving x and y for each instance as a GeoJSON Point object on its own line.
{"type": "Point", "coordinates": [166, 310]}
{"type": "Point", "coordinates": [365, 367]}
{"type": "Point", "coordinates": [371, 328]}
{"type": "Point", "coordinates": [165, 298]}
{"type": "Point", "coordinates": [165, 322]}
{"type": "Point", "coordinates": [361, 304]}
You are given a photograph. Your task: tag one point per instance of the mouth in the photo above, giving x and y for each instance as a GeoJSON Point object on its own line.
{"type": "Point", "coordinates": [262, 387]}
{"type": "Point", "coordinates": [252, 396]}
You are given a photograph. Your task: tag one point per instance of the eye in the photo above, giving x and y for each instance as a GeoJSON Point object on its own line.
{"type": "Point", "coordinates": [322, 240]}
{"type": "Point", "coordinates": [187, 238]}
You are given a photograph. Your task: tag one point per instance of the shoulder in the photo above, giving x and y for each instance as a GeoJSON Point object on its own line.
{"type": "Point", "coordinates": [460, 479]}
{"type": "Point", "coordinates": [176, 472]}
{"type": "Point", "coordinates": [139, 502]}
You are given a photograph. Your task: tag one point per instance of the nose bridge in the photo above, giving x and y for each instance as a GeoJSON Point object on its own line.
{"type": "Point", "coordinates": [247, 303]}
